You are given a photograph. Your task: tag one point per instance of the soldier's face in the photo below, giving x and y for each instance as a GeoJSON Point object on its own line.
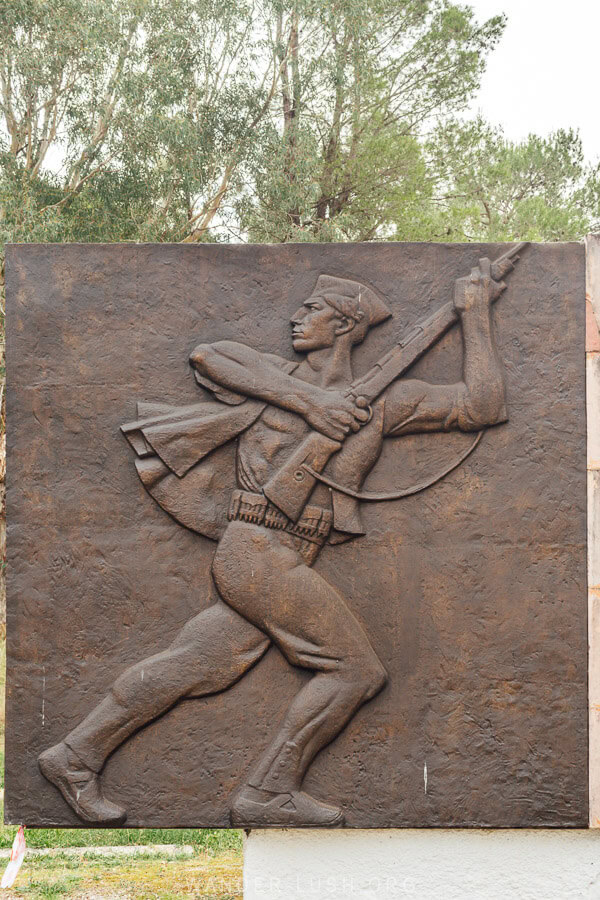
{"type": "Point", "coordinates": [314, 325]}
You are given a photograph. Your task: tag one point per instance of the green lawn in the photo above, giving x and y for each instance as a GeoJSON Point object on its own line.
{"type": "Point", "coordinates": [207, 839]}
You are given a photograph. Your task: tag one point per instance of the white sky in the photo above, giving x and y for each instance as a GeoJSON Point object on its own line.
{"type": "Point", "coordinates": [544, 74]}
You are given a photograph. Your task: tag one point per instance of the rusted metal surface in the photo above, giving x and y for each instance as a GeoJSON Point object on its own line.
{"type": "Point", "coordinates": [243, 651]}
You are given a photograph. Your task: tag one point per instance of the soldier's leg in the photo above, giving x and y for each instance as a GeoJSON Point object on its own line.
{"type": "Point", "coordinates": [260, 573]}
{"type": "Point", "coordinates": [211, 653]}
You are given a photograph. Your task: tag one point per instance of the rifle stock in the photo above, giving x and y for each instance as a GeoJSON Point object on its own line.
{"type": "Point", "coordinates": [291, 486]}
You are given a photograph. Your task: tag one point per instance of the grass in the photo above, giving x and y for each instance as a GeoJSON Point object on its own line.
{"type": "Point", "coordinates": [213, 873]}
{"type": "Point", "coordinates": [202, 839]}
{"type": "Point", "coordinates": [202, 876]}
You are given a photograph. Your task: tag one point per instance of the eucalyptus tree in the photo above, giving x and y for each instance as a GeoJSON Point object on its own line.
{"type": "Point", "coordinates": [359, 80]}
{"type": "Point", "coordinates": [126, 119]}
{"type": "Point", "coordinates": [268, 120]}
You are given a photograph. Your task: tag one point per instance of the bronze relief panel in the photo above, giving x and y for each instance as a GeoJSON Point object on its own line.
{"type": "Point", "coordinates": [297, 535]}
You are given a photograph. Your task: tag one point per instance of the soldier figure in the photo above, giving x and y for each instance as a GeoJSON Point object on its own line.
{"type": "Point", "coordinates": [262, 566]}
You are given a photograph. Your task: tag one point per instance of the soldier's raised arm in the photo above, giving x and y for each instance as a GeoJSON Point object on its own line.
{"type": "Point", "coordinates": [479, 399]}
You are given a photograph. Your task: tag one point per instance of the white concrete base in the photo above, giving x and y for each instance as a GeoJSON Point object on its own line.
{"type": "Point", "coordinates": [425, 864]}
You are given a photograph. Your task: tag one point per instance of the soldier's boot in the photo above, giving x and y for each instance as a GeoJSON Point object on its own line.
{"type": "Point", "coordinates": [254, 808]}
{"type": "Point", "coordinates": [79, 785]}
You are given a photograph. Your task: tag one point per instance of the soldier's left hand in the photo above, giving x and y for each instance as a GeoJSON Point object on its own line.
{"type": "Point", "coordinates": [476, 290]}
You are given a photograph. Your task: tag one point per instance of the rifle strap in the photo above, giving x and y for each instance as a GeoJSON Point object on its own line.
{"type": "Point", "coordinates": [379, 497]}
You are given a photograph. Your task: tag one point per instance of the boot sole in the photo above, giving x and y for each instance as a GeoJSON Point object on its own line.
{"type": "Point", "coordinates": [241, 819]}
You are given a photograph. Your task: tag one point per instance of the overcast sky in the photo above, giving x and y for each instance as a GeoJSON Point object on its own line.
{"type": "Point", "coordinates": [544, 74]}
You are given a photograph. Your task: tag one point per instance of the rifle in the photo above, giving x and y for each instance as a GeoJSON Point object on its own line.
{"type": "Point", "coordinates": [290, 487]}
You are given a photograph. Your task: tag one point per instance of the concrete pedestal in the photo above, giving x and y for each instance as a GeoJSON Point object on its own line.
{"type": "Point", "coordinates": [426, 864]}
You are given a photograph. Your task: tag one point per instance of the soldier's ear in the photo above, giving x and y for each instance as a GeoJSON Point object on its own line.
{"type": "Point", "coordinates": [345, 324]}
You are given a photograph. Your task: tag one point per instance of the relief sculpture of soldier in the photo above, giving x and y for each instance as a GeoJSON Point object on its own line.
{"type": "Point", "coordinates": [267, 545]}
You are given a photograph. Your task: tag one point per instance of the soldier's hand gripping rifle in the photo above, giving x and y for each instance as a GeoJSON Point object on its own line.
{"type": "Point", "coordinates": [292, 485]}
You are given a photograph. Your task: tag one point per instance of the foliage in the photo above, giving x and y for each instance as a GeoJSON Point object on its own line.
{"type": "Point", "coordinates": [267, 120]}
{"type": "Point", "coordinates": [210, 877]}
{"type": "Point", "coordinates": [264, 120]}
{"type": "Point", "coordinates": [125, 119]}
{"type": "Point", "coordinates": [202, 839]}
{"type": "Point", "coordinates": [489, 189]}
{"type": "Point", "coordinates": [358, 80]}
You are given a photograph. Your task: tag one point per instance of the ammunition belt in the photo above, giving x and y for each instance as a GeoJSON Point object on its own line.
{"type": "Point", "coordinates": [313, 525]}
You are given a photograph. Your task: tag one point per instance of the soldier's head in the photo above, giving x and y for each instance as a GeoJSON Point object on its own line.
{"type": "Point", "coordinates": [338, 309]}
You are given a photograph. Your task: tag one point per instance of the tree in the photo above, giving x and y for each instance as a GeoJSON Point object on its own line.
{"type": "Point", "coordinates": [268, 120]}
{"type": "Point", "coordinates": [358, 80]}
{"type": "Point", "coordinates": [486, 188]}
{"type": "Point", "coordinates": [126, 119]}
